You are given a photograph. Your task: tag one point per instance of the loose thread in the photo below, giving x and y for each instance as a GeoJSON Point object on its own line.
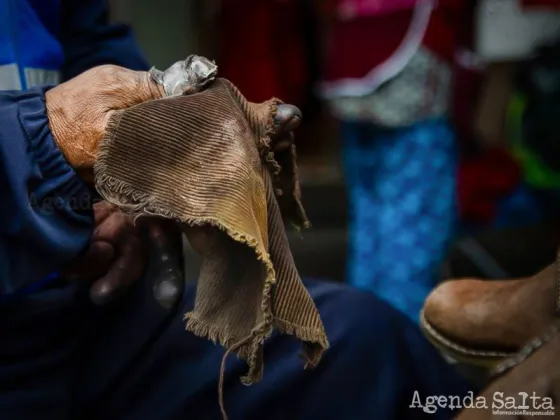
{"type": "Point", "coordinates": [233, 348]}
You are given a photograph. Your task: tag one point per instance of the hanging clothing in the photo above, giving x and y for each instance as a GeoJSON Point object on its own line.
{"type": "Point", "coordinates": [388, 80]}
{"type": "Point", "coordinates": [402, 208]}
{"type": "Point", "coordinates": [369, 49]}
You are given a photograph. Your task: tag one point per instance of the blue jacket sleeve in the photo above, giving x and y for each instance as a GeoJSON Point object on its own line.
{"type": "Point", "coordinates": [89, 40]}
{"type": "Point", "coordinates": [46, 217]}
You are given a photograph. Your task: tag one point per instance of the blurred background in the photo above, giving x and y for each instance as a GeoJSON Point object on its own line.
{"type": "Point", "coordinates": [429, 147]}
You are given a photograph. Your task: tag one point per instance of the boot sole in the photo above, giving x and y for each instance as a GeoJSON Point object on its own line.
{"type": "Point", "coordinates": [482, 358]}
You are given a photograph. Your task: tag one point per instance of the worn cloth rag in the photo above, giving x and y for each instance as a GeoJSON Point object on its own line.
{"type": "Point", "coordinates": [205, 160]}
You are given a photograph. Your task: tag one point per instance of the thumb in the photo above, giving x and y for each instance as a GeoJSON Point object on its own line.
{"type": "Point", "coordinates": [119, 88]}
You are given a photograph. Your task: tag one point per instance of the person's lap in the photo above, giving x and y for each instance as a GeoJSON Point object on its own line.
{"type": "Point", "coordinates": [136, 361]}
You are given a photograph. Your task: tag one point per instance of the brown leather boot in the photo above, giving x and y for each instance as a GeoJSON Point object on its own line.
{"type": "Point", "coordinates": [481, 322]}
{"type": "Point", "coordinates": [528, 385]}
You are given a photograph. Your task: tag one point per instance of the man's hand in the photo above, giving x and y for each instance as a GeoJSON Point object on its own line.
{"type": "Point", "coordinates": [116, 256]}
{"type": "Point", "coordinates": [80, 108]}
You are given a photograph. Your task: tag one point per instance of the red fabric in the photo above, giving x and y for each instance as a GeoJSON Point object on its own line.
{"type": "Point", "coordinates": [262, 51]}
{"type": "Point", "coordinates": [464, 100]}
{"type": "Point", "coordinates": [359, 45]}
{"type": "Point", "coordinates": [443, 32]}
{"type": "Point", "coordinates": [483, 181]}
{"type": "Point", "coordinates": [467, 80]}
{"type": "Point", "coordinates": [327, 8]}
{"type": "Point", "coordinates": [552, 4]}
{"type": "Point", "coordinates": [374, 8]}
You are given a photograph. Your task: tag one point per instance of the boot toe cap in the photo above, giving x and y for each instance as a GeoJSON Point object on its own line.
{"type": "Point", "coordinates": [451, 308]}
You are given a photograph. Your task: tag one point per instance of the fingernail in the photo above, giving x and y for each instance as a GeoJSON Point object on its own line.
{"type": "Point", "coordinates": [288, 117]}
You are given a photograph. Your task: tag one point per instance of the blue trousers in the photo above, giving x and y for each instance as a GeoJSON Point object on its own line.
{"type": "Point", "coordinates": [61, 358]}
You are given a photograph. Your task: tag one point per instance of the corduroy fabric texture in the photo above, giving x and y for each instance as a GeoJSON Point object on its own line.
{"type": "Point", "coordinates": [206, 160]}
